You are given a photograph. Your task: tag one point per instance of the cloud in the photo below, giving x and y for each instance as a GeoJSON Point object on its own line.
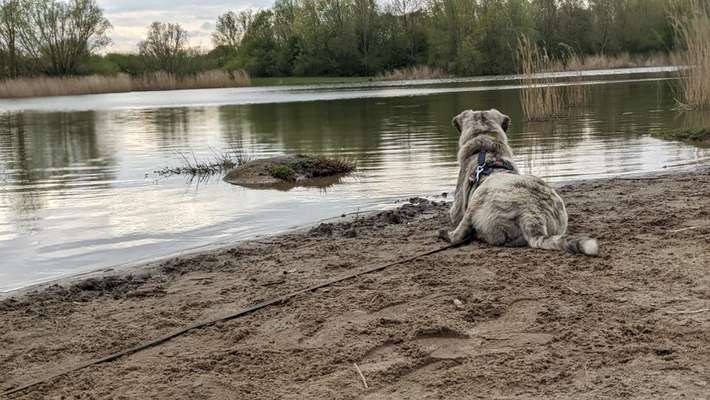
{"type": "Point", "coordinates": [130, 18]}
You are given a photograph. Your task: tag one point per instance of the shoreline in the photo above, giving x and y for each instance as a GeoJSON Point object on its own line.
{"type": "Point", "coordinates": [148, 262]}
{"type": "Point", "coordinates": [510, 322]}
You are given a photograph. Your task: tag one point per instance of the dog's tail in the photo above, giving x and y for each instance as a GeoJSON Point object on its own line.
{"type": "Point", "coordinates": [535, 232]}
{"type": "Point", "coordinates": [572, 244]}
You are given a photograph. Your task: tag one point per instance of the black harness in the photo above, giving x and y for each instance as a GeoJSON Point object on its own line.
{"type": "Point", "coordinates": [486, 168]}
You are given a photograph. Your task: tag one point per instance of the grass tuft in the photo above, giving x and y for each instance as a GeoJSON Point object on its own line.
{"type": "Point", "coordinates": [283, 172]}
{"type": "Point", "coordinates": [217, 164]}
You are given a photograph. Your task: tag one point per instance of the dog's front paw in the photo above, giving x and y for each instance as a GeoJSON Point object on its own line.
{"type": "Point", "coordinates": [444, 235]}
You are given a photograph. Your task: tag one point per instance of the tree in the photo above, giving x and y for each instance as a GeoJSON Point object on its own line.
{"type": "Point", "coordinates": [10, 25]}
{"type": "Point", "coordinates": [410, 18]}
{"type": "Point", "coordinates": [58, 36]}
{"type": "Point", "coordinates": [257, 53]}
{"type": "Point", "coordinates": [574, 27]}
{"type": "Point", "coordinates": [165, 47]}
{"type": "Point", "coordinates": [365, 23]}
{"type": "Point", "coordinates": [287, 41]}
{"type": "Point", "coordinates": [231, 27]}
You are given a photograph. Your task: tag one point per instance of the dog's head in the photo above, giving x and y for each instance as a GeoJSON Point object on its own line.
{"type": "Point", "coordinates": [473, 123]}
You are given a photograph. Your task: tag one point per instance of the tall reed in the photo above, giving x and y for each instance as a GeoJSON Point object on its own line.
{"type": "Point", "coordinates": [576, 94]}
{"type": "Point", "coordinates": [692, 27]}
{"type": "Point", "coordinates": [76, 85]}
{"type": "Point", "coordinates": [542, 97]}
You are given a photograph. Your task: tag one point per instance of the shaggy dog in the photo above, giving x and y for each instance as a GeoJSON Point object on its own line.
{"type": "Point", "coordinates": [497, 205]}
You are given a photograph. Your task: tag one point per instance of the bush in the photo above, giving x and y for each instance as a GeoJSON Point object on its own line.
{"type": "Point", "coordinates": [283, 172]}
{"type": "Point", "coordinates": [97, 65]}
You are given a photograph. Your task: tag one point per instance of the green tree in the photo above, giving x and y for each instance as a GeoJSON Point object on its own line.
{"type": "Point", "coordinates": [365, 21]}
{"type": "Point", "coordinates": [287, 42]}
{"type": "Point", "coordinates": [575, 27]}
{"type": "Point", "coordinates": [166, 47]}
{"type": "Point", "coordinates": [257, 50]}
{"type": "Point", "coordinates": [231, 27]}
{"type": "Point", "coordinates": [10, 25]}
{"type": "Point", "coordinates": [59, 36]}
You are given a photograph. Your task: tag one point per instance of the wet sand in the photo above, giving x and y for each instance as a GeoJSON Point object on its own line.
{"type": "Point", "coordinates": [470, 322]}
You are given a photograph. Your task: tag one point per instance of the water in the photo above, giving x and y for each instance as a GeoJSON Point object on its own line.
{"type": "Point", "coordinates": [78, 191]}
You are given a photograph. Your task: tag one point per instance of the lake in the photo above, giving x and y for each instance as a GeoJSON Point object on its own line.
{"type": "Point", "coordinates": [78, 189]}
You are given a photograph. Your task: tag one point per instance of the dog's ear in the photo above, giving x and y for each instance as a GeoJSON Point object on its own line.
{"type": "Point", "coordinates": [457, 121]}
{"type": "Point", "coordinates": [506, 123]}
{"type": "Point", "coordinates": [456, 124]}
{"type": "Point", "coordinates": [500, 118]}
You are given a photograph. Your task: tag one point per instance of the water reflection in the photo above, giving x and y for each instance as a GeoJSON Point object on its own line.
{"type": "Point", "coordinates": [78, 189]}
{"type": "Point", "coordinates": [45, 154]}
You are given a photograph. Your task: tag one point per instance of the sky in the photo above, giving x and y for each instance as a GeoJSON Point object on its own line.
{"type": "Point", "coordinates": [130, 18]}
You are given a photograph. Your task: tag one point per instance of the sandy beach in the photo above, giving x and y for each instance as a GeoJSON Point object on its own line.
{"type": "Point", "coordinates": [470, 322]}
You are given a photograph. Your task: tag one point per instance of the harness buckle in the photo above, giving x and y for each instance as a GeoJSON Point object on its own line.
{"type": "Point", "coordinates": [479, 170]}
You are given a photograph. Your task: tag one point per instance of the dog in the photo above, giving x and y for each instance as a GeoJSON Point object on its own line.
{"type": "Point", "coordinates": [494, 203]}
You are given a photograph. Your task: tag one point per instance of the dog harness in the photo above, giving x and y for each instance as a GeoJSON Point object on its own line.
{"type": "Point", "coordinates": [485, 168]}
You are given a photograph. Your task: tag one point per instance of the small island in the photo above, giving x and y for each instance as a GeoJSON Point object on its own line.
{"type": "Point", "coordinates": [289, 171]}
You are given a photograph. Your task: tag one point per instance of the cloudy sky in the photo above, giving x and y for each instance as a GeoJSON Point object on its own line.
{"type": "Point", "coordinates": [130, 18]}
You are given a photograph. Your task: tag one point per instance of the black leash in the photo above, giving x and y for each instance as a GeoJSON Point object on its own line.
{"type": "Point", "coordinates": [235, 315]}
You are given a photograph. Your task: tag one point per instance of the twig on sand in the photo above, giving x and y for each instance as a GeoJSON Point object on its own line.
{"type": "Point", "coordinates": [373, 299]}
{"type": "Point", "coordinates": [572, 290]}
{"type": "Point", "coordinates": [645, 178]}
{"type": "Point", "coordinates": [686, 229]}
{"type": "Point", "coordinates": [364, 382]}
{"type": "Point", "coordinates": [702, 310]}
{"type": "Point", "coordinates": [278, 282]}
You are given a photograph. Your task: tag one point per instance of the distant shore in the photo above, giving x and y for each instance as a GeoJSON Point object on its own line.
{"type": "Point", "coordinates": [44, 86]}
{"type": "Point", "coordinates": [513, 322]}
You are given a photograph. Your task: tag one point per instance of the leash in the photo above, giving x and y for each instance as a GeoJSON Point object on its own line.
{"type": "Point", "coordinates": [237, 314]}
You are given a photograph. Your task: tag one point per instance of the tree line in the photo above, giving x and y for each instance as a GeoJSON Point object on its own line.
{"type": "Point", "coordinates": [334, 37]}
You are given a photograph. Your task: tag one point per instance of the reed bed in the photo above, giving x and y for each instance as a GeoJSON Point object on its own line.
{"type": "Point", "coordinates": [539, 98]}
{"type": "Point", "coordinates": [413, 73]}
{"type": "Point", "coordinates": [692, 26]}
{"type": "Point", "coordinates": [93, 84]}
{"type": "Point", "coordinates": [575, 62]}
{"type": "Point", "coordinates": [577, 94]}
{"type": "Point", "coordinates": [542, 97]}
